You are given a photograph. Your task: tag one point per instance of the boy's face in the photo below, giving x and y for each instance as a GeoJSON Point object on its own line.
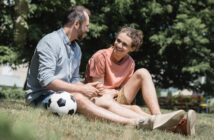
{"type": "Point", "coordinates": [123, 45]}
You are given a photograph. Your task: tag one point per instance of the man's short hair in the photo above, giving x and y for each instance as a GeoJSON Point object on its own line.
{"type": "Point", "coordinates": [76, 13]}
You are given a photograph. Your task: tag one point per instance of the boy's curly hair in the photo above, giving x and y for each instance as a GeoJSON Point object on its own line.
{"type": "Point", "coordinates": [134, 34]}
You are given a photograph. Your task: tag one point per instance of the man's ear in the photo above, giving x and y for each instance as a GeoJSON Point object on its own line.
{"type": "Point", "coordinates": [77, 24]}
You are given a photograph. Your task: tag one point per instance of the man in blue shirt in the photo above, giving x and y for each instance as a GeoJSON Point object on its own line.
{"type": "Point", "coordinates": [56, 60]}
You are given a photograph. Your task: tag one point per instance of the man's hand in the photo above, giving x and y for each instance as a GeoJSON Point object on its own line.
{"type": "Point", "coordinates": [92, 89]}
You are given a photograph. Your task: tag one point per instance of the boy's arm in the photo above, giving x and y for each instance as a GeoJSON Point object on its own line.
{"type": "Point", "coordinates": [105, 89]}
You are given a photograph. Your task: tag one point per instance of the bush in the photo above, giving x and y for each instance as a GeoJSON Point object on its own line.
{"type": "Point", "coordinates": [182, 102]}
{"type": "Point", "coordinates": [11, 93]}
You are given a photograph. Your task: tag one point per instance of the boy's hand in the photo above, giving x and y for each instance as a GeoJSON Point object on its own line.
{"type": "Point", "coordinates": [92, 89]}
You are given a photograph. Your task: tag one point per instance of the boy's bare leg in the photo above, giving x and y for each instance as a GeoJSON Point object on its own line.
{"type": "Point", "coordinates": [88, 108]}
{"type": "Point", "coordinates": [137, 109]}
{"type": "Point", "coordinates": [142, 79]}
{"type": "Point", "coordinates": [107, 102]}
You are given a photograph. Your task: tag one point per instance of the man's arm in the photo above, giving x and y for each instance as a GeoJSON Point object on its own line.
{"type": "Point", "coordinates": [47, 57]}
{"type": "Point", "coordinates": [88, 90]}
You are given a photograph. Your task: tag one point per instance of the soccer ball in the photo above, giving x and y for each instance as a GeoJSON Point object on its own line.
{"type": "Point", "coordinates": [62, 104]}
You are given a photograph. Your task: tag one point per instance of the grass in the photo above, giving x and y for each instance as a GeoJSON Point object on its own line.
{"type": "Point", "coordinates": [39, 124]}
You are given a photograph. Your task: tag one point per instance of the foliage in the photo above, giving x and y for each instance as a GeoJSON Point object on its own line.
{"type": "Point", "coordinates": [11, 93]}
{"type": "Point", "coordinates": [7, 55]}
{"type": "Point", "coordinates": [183, 102]}
{"type": "Point", "coordinates": [178, 35]}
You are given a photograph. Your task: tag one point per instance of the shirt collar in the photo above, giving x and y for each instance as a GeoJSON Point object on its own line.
{"type": "Point", "coordinates": [65, 38]}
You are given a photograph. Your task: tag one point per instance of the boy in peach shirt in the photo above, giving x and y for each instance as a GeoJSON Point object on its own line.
{"type": "Point", "coordinates": [114, 67]}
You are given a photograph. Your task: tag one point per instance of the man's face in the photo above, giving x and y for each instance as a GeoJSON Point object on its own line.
{"type": "Point", "coordinates": [122, 45]}
{"type": "Point", "coordinates": [83, 28]}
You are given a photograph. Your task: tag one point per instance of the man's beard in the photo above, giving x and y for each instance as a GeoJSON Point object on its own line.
{"type": "Point", "coordinates": [81, 34]}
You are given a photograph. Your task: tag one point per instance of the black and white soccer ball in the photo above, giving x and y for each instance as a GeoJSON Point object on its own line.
{"type": "Point", "coordinates": [62, 104]}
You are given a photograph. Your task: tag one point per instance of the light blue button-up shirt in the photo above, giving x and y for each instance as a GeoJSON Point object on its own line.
{"type": "Point", "coordinates": [55, 57]}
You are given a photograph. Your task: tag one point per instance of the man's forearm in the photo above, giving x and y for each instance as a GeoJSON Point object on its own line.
{"type": "Point", "coordinates": [59, 85]}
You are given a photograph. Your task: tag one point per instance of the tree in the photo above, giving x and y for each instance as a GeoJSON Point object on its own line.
{"type": "Point", "coordinates": [6, 32]}
{"type": "Point", "coordinates": [178, 35]}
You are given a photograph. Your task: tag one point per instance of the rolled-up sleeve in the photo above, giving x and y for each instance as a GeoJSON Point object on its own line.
{"type": "Point", "coordinates": [47, 56]}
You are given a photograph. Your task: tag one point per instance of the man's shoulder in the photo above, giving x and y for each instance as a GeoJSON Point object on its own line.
{"type": "Point", "coordinates": [53, 36]}
{"type": "Point", "coordinates": [50, 40]}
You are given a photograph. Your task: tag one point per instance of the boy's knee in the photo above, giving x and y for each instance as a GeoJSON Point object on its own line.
{"type": "Point", "coordinates": [142, 73]}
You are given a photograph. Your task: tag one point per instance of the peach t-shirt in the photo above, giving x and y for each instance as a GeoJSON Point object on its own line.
{"type": "Point", "coordinates": [115, 75]}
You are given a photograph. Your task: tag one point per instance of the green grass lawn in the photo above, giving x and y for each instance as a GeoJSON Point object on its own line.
{"type": "Point", "coordinates": [18, 121]}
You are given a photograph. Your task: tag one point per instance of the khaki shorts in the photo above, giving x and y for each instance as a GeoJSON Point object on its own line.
{"type": "Point", "coordinates": [120, 98]}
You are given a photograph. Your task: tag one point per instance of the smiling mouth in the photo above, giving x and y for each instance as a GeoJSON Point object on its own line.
{"type": "Point", "coordinates": [119, 50]}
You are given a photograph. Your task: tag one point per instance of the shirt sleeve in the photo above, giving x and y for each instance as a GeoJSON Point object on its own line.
{"type": "Point", "coordinates": [47, 57]}
{"type": "Point", "coordinates": [96, 66]}
{"type": "Point", "coordinates": [76, 75]}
